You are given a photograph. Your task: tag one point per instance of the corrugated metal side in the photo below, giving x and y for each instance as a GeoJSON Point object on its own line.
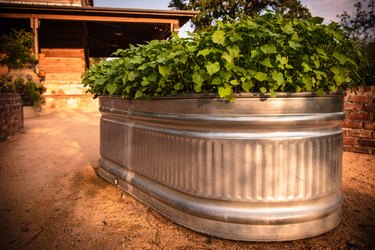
{"type": "Point", "coordinates": [113, 139]}
{"type": "Point", "coordinates": [251, 170]}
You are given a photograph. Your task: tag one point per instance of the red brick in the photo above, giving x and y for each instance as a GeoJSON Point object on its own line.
{"type": "Point", "coordinates": [360, 116]}
{"type": "Point", "coordinates": [349, 106]}
{"type": "Point", "coordinates": [366, 89]}
{"type": "Point", "coordinates": [361, 98]}
{"type": "Point", "coordinates": [367, 142]}
{"type": "Point", "coordinates": [369, 89]}
{"type": "Point", "coordinates": [352, 124]}
{"type": "Point", "coordinates": [350, 141]}
{"type": "Point", "coordinates": [358, 133]}
{"type": "Point", "coordinates": [369, 125]}
{"type": "Point", "coordinates": [359, 149]}
{"type": "Point", "coordinates": [369, 107]}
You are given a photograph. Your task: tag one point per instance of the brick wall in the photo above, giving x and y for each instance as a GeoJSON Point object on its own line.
{"type": "Point", "coordinates": [11, 114]}
{"type": "Point", "coordinates": [358, 127]}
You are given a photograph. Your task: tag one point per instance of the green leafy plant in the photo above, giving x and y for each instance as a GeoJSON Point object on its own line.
{"type": "Point", "coordinates": [17, 46]}
{"type": "Point", "coordinates": [34, 92]}
{"type": "Point", "coordinates": [267, 54]}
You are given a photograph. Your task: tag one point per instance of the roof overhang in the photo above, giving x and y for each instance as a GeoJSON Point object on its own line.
{"type": "Point", "coordinates": [150, 24]}
{"type": "Point", "coordinates": [177, 17]}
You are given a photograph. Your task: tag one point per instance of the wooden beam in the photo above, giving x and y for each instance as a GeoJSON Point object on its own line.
{"type": "Point", "coordinates": [34, 23]}
{"type": "Point", "coordinates": [92, 18]}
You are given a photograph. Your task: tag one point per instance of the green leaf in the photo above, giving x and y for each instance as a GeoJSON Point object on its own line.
{"type": "Point", "coordinates": [152, 77]}
{"type": "Point", "coordinates": [198, 79]}
{"type": "Point", "coordinates": [338, 35]}
{"type": "Point", "coordinates": [227, 57]}
{"type": "Point", "coordinates": [306, 67]}
{"type": "Point", "coordinates": [132, 75]}
{"type": "Point", "coordinates": [234, 82]}
{"type": "Point", "coordinates": [247, 85]}
{"type": "Point", "coordinates": [267, 62]}
{"type": "Point", "coordinates": [178, 86]}
{"type": "Point", "coordinates": [136, 60]}
{"type": "Point", "coordinates": [288, 28]}
{"type": "Point", "coordinates": [254, 53]}
{"type": "Point", "coordinates": [340, 57]}
{"type": "Point", "coordinates": [278, 77]}
{"type": "Point", "coordinates": [316, 20]}
{"type": "Point", "coordinates": [217, 81]}
{"type": "Point", "coordinates": [165, 70]}
{"type": "Point", "coordinates": [282, 59]}
{"type": "Point", "coordinates": [333, 88]}
{"type": "Point", "coordinates": [268, 48]}
{"type": "Point", "coordinates": [322, 53]}
{"type": "Point", "coordinates": [234, 51]}
{"type": "Point", "coordinates": [235, 37]}
{"type": "Point", "coordinates": [263, 90]}
{"type": "Point", "coordinates": [225, 91]}
{"type": "Point", "coordinates": [294, 45]}
{"type": "Point", "coordinates": [138, 94]}
{"type": "Point", "coordinates": [320, 92]}
{"type": "Point", "coordinates": [212, 68]}
{"type": "Point", "coordinates": [339, 79]}
{"type": "Point", "coordinates": [229, 66]}
{"type": "Point", "coordinates": [260, 76]}
{"type": "Point", "coordinates": [317, 64]}
{"type": "Point", "coordinates": [145, 81]}
{"type": "Point", "coordinates": [112, 88]}
{"type": "Point", "coordinates": [273, 94]}
{"type": "Point", "coordinates": [218, 37]}
{"type": "Point", "coordinates": [320, 73]}
{"type": "Point", "coordinates": [204, 52]}
{"type": "Point", "coordinates": [306, 79]}
{"type": "Point", "coordinates": [336, 69]}
{"type": "Point", "coordinates": [100, 81]}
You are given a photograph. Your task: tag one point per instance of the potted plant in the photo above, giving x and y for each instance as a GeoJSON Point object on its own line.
{"type": "Point", "coordinates": [235, 132]}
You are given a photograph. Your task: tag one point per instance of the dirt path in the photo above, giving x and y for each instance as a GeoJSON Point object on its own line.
{"type": "Point", "coordinates": [51, 198]}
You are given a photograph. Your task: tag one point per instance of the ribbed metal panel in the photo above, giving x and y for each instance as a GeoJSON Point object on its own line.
{"type": "Point", "coordinates": [259, 171]}
{"type": "Point", "coordinates": [255, 162]}
{"type": "Point", "coordinates": [113, 139]}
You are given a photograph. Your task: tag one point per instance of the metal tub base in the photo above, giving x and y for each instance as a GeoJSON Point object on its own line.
{"type": "Point", "coordinates": [253, 170]}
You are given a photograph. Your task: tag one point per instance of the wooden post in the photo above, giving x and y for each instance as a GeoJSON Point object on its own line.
{"type": "Point", "coordinates": [175, 26]}
{"type": "Point", "coordinates": [34, 23]}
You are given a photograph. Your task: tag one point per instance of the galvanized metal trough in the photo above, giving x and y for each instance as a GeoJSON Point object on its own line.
{"type": "Point", "coordinates": [258, 169]}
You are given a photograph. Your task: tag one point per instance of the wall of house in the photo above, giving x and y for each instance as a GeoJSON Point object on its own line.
{"type": "Point", "coordinates": [11, 114]}
{"type": "Point", "coordinates": [63, 78]}
{"type": "Point", "coordinates": [359, 124]}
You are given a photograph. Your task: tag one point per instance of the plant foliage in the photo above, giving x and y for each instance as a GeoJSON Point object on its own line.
{"type": "Point", "coordinates": [17, 46]}
{"type": "Point", "coordinates": [267, 54]}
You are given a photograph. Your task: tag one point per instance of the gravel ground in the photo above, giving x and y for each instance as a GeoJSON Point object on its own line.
{"type": "Point", "coordinates": [51, 197]}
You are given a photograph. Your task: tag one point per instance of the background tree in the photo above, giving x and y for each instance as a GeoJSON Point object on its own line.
{"type": "Point", "coordinates": [361, 27]}
{"type": "Point", "coordinates": [211, 10]}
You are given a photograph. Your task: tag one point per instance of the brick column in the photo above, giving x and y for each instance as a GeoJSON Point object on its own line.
{"type": "Point", "coordinates": [358, 127]}
{"type": "Point", "coordinates": [11, 114]}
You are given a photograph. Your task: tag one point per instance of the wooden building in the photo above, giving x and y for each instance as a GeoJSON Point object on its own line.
{"type": "Point", "coordinates": [68, 32]}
